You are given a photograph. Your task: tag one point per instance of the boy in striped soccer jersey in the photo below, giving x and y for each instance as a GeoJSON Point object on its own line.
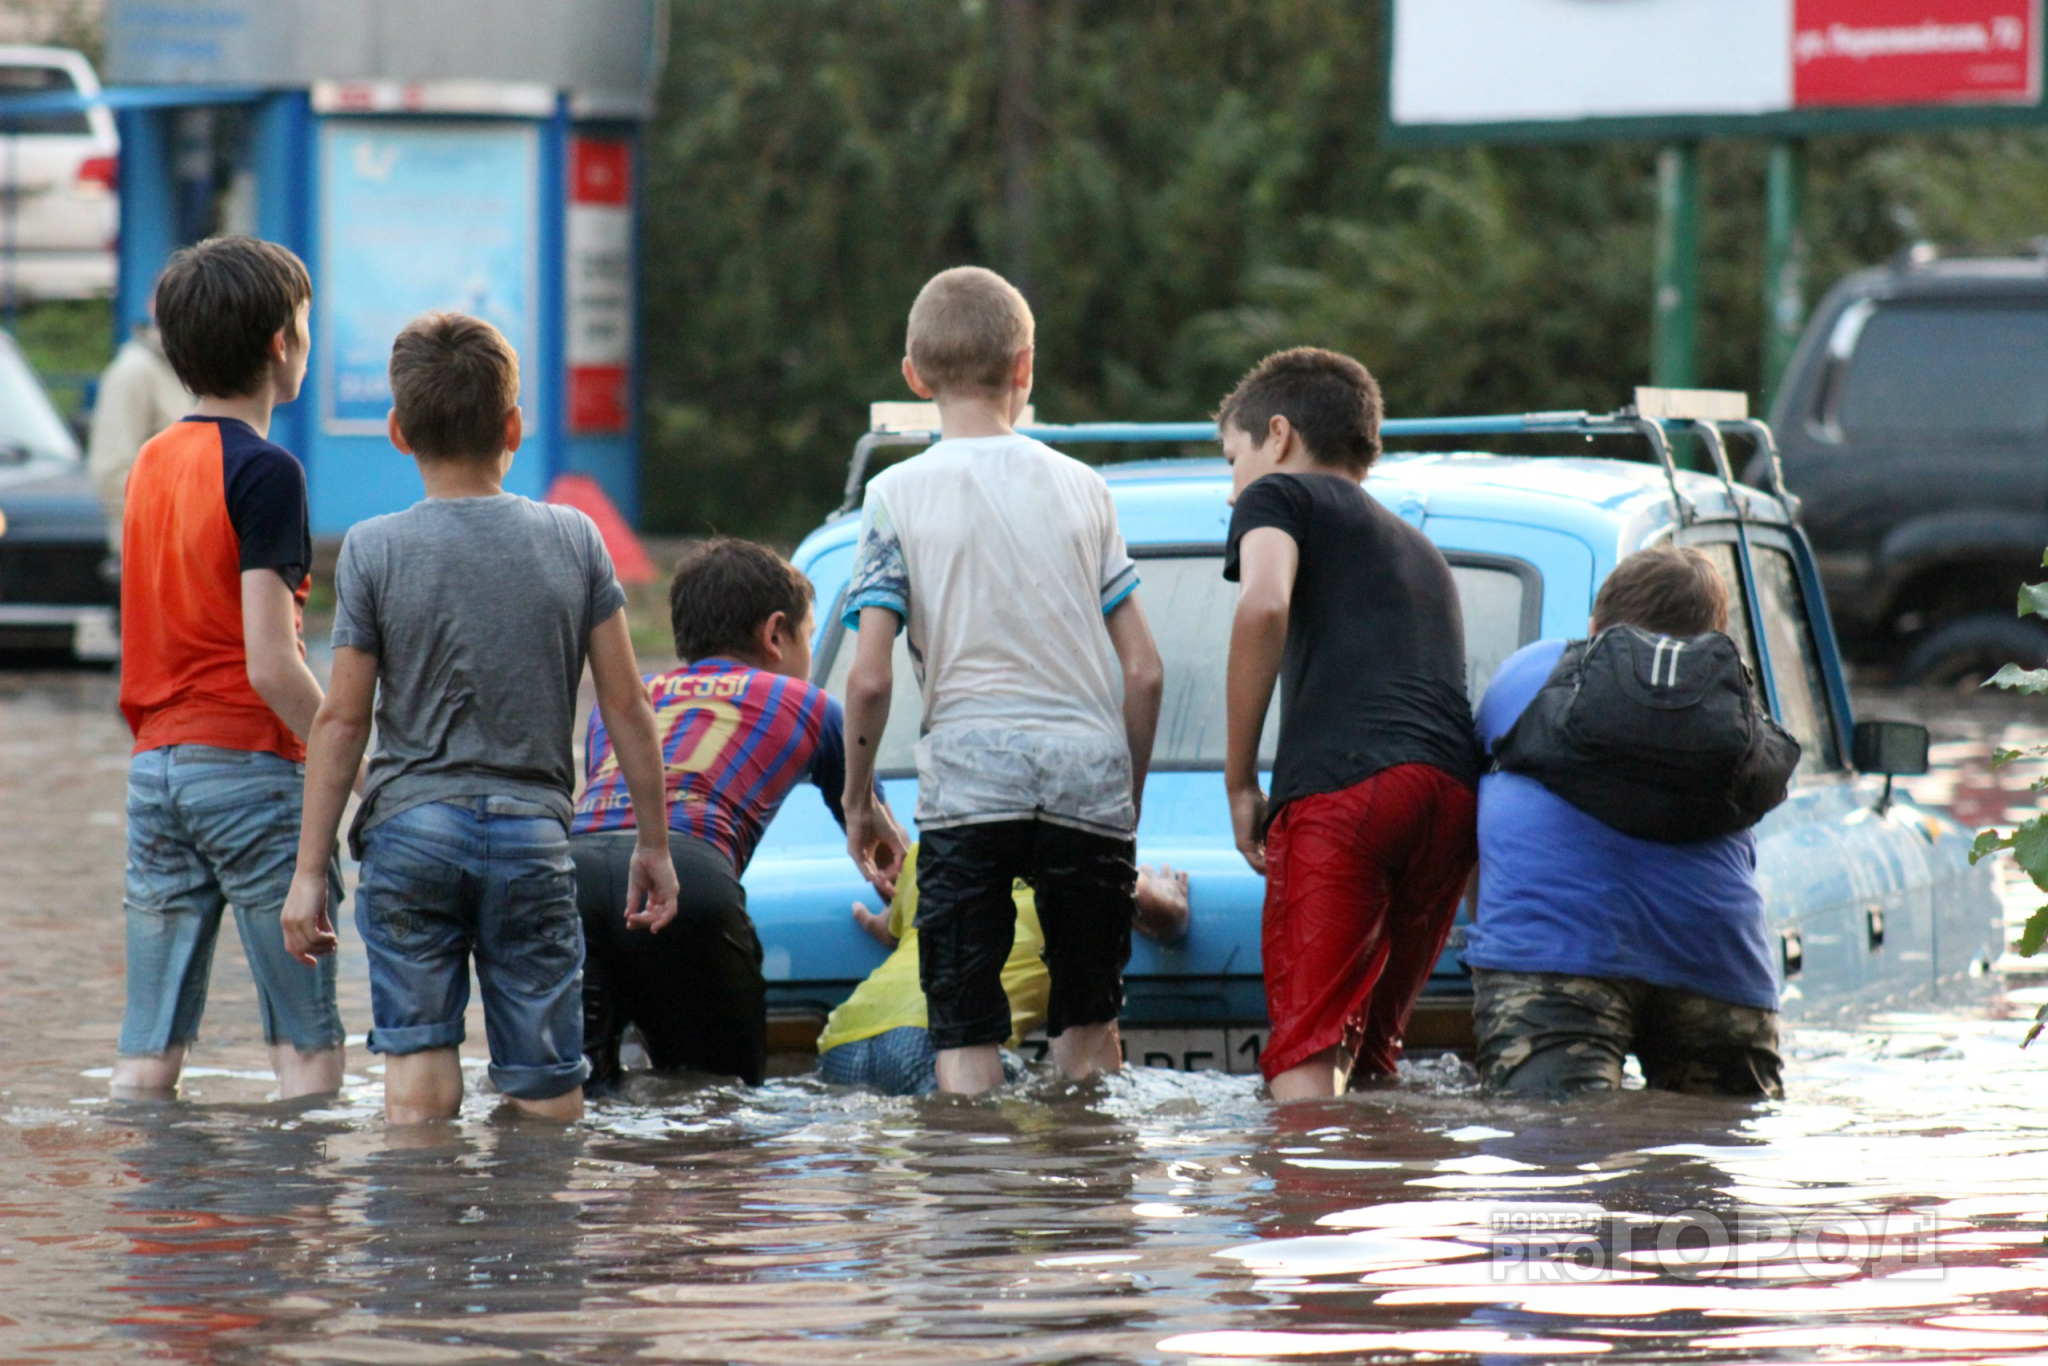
{"type": "Point", "coordinates": [739, 727]}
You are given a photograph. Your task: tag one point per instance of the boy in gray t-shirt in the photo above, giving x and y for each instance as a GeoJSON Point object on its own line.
{"type": "Point", "coordinates": [468, 618]}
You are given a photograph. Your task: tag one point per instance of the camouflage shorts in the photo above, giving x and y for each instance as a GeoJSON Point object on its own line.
{"type": "Point", "coordinates": [1550, 1033]}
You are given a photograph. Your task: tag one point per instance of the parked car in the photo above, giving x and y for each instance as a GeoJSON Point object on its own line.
{"type": "Point", "coordinates": [60, 170]}
{"type": "Point", "coordinates": [1873, 898]}
{"type": "Point", "coordinates": [59, 584]}
{"type": "Point", "coordinates": [1914, 426]}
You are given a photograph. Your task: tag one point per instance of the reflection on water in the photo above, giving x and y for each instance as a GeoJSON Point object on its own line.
{"type": "Point", "coordinates": [1893, 1207]}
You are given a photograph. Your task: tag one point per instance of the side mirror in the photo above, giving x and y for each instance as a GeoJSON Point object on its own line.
{"type": "Point", "coordinates": [1897, 749]}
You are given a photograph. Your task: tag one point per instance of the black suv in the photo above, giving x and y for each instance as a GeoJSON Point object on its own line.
{"type": "Point", "coordinates": [1914, 426]}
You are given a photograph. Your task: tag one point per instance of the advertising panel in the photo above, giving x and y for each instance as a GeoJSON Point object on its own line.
{"type": "Point", "coordinates": [1474, 68]}
{"type": "Point", "coordinates": [415, 216]}
{"type": "Point", "coordinates": [598, 278]}
{"type": "Point", "coordinates": [1905, 52]}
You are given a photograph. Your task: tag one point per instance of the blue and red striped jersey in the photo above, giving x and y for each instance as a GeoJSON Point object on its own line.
{"type": "Point", "coordinates": [734, 740]}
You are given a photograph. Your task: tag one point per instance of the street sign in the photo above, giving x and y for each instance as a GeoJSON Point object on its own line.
{"type": "Point", "coordinates": [1494, 70]}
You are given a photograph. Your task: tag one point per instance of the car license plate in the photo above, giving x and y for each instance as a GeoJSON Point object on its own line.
{"type": "Point", "coordinates": [1181, 1050]}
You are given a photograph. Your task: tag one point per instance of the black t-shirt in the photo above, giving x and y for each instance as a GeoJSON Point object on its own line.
{"type": "Point", "coordinates": [1374, 670]}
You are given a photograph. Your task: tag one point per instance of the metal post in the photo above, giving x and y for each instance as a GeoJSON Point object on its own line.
{"type": "Point", "coordinates": [1784, 262]}
{"type": "Point", "coordinates": [1674, 337]}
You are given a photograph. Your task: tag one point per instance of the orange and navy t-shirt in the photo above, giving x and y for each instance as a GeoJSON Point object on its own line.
{"type": "Point", "coordinates": [208, 500]}
{"type": "Point", "coordinates": [734, 741]}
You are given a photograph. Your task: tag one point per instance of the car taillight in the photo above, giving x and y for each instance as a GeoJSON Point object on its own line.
{"type": "Point", "coordinates": [102, 173]}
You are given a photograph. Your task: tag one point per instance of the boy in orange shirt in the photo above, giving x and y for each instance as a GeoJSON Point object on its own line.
{"type": "Point", "coordinates": [214, 680]}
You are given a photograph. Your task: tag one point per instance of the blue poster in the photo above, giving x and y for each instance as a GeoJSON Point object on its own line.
{"type": "Point", "coordinates": [418, 216]}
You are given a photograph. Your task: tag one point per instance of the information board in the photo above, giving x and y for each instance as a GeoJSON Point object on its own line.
{"type": "Point", "coordinates": [598, 280]}
{"type": "Point", "coordinates": [1473, 69]}
{"type": "Point", "coordinates": [415, 216]}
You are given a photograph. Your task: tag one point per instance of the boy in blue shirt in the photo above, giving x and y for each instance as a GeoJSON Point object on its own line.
{"type": "Point", "coordinates": [1591, 944]}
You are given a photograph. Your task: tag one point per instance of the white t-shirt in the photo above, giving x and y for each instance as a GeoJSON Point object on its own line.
{"type": "Point", "coordinates": [1002, 558]}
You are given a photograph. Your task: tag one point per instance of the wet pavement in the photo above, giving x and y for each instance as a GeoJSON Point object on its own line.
{"type": "Point", "coordinates": [1893, 1208]}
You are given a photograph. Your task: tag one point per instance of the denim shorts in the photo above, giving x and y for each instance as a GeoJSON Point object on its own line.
{"type": "Point", "coordinates": [489, 877]}
{"type": "Point", "coordinates": [209, 828]}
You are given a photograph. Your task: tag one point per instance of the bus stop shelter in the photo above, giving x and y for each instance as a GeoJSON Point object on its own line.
{"type": "Point", "coordinates": [480, 155]}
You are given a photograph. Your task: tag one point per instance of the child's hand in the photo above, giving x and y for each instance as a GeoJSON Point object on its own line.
{"type": "Point", "coordinates": [1162, 903]}
{"type": "Point", "coordinates": [1248, 824]}
{"type": "Point", "coordinates": [877, 845]}
{"type": "Point", "coordinates": [308, 933]}
{"type": "Point", "coordinates": [876, 925]}
{"type": "Point", "coordinates": [650, 889]}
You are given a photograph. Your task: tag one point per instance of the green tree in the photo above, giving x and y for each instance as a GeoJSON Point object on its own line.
{"type": "Point", "coordinates": [1207, 181]}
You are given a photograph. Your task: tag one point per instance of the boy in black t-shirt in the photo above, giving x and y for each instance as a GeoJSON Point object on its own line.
{"type": "Point", "coordinates": [1369, 840]}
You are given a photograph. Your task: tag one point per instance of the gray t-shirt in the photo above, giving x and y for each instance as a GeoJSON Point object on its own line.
{"type": "Point", "coordinates": [479, 611]}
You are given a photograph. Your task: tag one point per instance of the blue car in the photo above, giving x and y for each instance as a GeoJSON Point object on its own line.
{"type": "Point", "coordinates": [1873, 899]}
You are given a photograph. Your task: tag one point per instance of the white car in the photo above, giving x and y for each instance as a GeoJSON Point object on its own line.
{"type": "Point", "coordinates": [59, 216]}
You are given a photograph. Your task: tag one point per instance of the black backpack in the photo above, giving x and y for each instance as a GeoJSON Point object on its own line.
{"type": "Point", "coordinates": [1656, 736]}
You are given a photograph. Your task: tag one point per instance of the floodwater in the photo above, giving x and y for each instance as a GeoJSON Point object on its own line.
{"type": "Point", "coordinates": [1892, 1209]}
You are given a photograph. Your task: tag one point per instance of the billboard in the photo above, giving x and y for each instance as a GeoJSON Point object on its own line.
{"type": "Point", "coordinates": [1472, 69]}
{"type": "Point", "coordinates": [421, 215]}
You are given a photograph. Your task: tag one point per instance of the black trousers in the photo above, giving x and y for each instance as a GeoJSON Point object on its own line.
{"type": "Point", "coordinates": [695, 989]}
{"type": "Point", "coordinates": [1087, 892]}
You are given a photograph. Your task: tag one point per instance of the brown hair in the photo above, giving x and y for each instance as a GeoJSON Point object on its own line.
{"type": "Point", "coordinates": [453, 380]}
{"type": "Point", "coordinates": [966, 327]}
{"type": "Point", "coordinates": [219, 303]}
{"type": "Point", "coordinates": [1329, 398]}
{"type": "Point", "coordinates": [1670, 589]}
{"type": "Point", "coordinates": [724, 589]}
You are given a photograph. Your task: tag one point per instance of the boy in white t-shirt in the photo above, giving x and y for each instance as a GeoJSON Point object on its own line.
{"type": "Point", "coordinates": [1041, 687]}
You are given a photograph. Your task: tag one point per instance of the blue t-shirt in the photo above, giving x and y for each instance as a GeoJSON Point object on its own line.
{"type": "Point", "coordinates": [1561, 892]}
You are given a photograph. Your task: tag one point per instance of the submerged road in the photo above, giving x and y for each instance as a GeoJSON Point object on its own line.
{"type": "Point", "coordinates": [1892, 1208]}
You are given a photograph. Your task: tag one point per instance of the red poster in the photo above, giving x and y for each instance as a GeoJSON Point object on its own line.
{"type": "Point", "coordinates": [1907, 52]}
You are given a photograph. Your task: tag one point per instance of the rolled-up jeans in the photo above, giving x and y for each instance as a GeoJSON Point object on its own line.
{"type": "Point", "coordinates": [488, 877]}
{"type": "Point", "coordinates": [207, 828]}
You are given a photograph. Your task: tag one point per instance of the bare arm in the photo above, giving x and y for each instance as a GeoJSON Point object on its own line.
{"type": "Point", "coordinates": [1144, 686]}
{"type": "Point", "coordinates": [337, 737]}
{"type": "Point", "coordinates": [270, 640]}
{"type": "Point", "coordinates": [1267, 558]}
{"type": "Point", "coordinates": [629, 718]}
{"type": "Point", "coordinates": [872, 836]}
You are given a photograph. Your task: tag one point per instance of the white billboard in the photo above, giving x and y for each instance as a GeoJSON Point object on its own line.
{"type": "Point", "coordinates": [1520, 61]}
{"type": "Point", "coordinates": [1481, 63]}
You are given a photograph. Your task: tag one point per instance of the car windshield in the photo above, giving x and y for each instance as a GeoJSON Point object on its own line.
{"type": "Point", "coordinates": [28, 424]}
{"type": "Point", "coordinates": [1189, 606]}
{"type": "Point", "coordinates": [41, 80]}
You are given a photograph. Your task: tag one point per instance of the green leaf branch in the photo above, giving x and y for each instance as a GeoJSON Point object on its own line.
{"type": "Point", "coordinates": [2028, 841]}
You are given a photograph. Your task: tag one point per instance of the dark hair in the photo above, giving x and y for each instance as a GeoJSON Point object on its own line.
{"type": "Point", "coordinates": [219, 303]}
{"type": "Point", "coordinates": [1332, 400]}
{"type": "Point", "coordinates": [1670, 589]}
{"type": "Point", "coordinates": [724, 589]}
{"type": "Point", "coordinates": [453, 379]}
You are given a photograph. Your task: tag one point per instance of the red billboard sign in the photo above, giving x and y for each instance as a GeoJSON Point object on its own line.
{"type": "Point", "coordinates": [1915, 52]}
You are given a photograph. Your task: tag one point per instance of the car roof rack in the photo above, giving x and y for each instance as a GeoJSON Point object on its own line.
{"type": "Point", "coordinates": [1669, 413]}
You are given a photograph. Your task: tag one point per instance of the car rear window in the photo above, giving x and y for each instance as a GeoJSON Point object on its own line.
{"type": "Point", "coordinates": [40, 80]}
{"type": "Point", "coordinates": [1927, 368]}
{"type": "Point", "coordinates": [1189, 605]}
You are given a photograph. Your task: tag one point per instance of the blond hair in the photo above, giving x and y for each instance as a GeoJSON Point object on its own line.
{"type": "Point", "coordinates": [966, 328]}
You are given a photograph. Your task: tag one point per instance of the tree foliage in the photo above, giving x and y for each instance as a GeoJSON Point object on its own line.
{"type": "Point", "coordinates": [2028, 841]}
{"type": "Point", "coordinates": [1207, 181]}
